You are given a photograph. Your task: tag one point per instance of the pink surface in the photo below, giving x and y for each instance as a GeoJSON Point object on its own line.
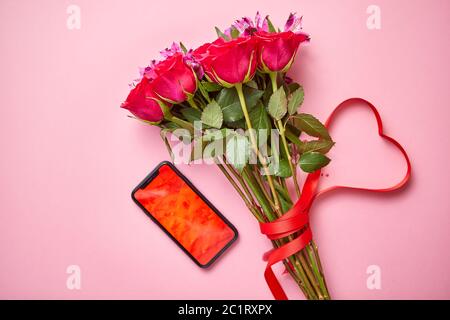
{"type": "Point", "coordinates": [70, 156]}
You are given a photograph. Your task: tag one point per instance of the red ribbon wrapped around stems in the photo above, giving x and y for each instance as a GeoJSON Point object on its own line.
{"type": "Point", "coordinates": [296, 220]}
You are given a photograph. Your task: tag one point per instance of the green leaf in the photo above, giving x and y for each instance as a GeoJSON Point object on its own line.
{"type": "Point", "coordinates": [212, 115]}
{"type": "Point", "coordinates": [171, 126]}
{"type": "Point", "coordinates": [214, 134]}
{"type": "Point", "coordinates": [215, 140]}
{"type": "Point", "coordinates": [191, 114]}
{"type": "Point", "coordinates": [234, 33]}
{"type": "Point", "coordinates": [283, 193]}
{"type": "Point", "coordinates": [295, 100]}
{"type": "Point", "coordinates": [310, 125]}
{"type": "Point", "coordinates": [284, 170]}
{"type": "Point", "coordinates": [204, 92]}
{"type": "Point", "coordinates": [278, 104]}
{"type": "Point", "coordinates": [260, 122]}
{"type": "Point", "coordinates": [213, 149]}
{"type": "Point", "coordinates": [211, 86]}
{"type": "Point", "coordinates": [293, 86]}
{"type": "Point", "coordinates": [280, 168]}
{"type": "Point", "coordinates": [240, 124]}
{"type": "Point", "coordinates": [271, 26]}
{"type": "Point", "coordinates": [311, 161]}
{"type": "Point", "coordinates": [208, 144]}
{"type": "Point", "coordinates": [222, 35]}
{"type": "Point", "coordinates": [267, 94]}
{"type": "Point", "coordinates": [228, 100]}
{"type": "Point", "coordinates": [198, 145]}
{"type": "Point", "coordinates": [322, 146]}
{"type": "Point", "coordinates": [252, 84]}
{"type": "Point", "coordinates": [259, 117]}
{"type": "Point", "coordinates": [285, 205]}
{"type": "Point", "coordinates": [237, 151]}
{"type": "Point", "coordinates": [183, 48]}
{"type": "Point", "coordinates": [294, 130]}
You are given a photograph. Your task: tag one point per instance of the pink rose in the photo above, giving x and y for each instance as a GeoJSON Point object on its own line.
{"type": "Point", "coordinates": [173, 80]}
{"type": "Point", "coordinates": [276, 51]}
{"type": "Point", "coordinates": [142, 102]}
{"type": "Point", "coordinates": [228, 62]}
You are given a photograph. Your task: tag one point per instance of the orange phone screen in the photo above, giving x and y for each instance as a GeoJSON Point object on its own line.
{"type": "Point", "coordinates": [184, 214]}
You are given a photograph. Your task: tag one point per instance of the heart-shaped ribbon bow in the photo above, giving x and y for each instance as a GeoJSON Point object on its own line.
{"type": "Point", "coordinates": [296, 220]}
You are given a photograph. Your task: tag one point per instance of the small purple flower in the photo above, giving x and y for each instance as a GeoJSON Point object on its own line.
{"type": "Point", "coordinates": [194, 64]}
{"type": "Point", "coordinates": [293, 23]}
{"type": "Point", "coordinates": [148, 71]}
{"type": "Point", "coordinates": [246, 26]}
{"type": "Point", "coordinates": [168, 52]}
{"type": "Point", "coordinates": [243, 25]}
{"type": "Point", "coordinates": [261, 24]}
{"type": "Point", "coordinates": [227, 32]}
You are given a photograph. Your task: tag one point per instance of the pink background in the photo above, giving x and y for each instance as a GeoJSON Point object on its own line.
{"type": "Point", "coordinates": [70, 156]}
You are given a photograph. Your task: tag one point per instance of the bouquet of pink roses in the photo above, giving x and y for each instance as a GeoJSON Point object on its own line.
{"type": "Point", "coordinates": [230, 102]}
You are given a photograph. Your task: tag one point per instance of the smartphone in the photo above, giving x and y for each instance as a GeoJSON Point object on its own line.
{"type": "Point", "coordinates": [184, 214]}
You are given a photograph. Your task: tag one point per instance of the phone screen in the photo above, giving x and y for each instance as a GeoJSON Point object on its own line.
{"type": "Point", "coordinates": [180, 209]}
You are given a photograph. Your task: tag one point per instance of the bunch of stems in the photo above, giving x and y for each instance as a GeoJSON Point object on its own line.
{"type": "Point", "coordinates": [261, 194]}
{"type": "Point", "coordinates": [304, 267]}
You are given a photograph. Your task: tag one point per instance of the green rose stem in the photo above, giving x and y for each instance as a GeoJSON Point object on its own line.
{"type": "Point", "coordinates": [182, 123]}
{"type": "Point", "coordinates": [257, 188]}
{"type": "Point", "coordinates": [243, 184]}
{"type": "Point", "coordinates": [170, 117]}
{"type": "Point", "coordinates": [258, 193]}
{"type": "Point", "coordinates": [245, 189]}
{"type": "Point", "coordinates": [312, 247]}
{"type": "Point", "coordinates": [253, 141]}
{"type": "Point", "coordinates": [273, 78]}
{"type": "Point", "coordinates": [317, 268]}
{"type": "Point", "coordinates": [255, 147]}
{"type": "Point", "coordinates": [261, 183]}
{"type": "Point", "coordinates": [249, 205]}
{"type": "Point", "coordinates": [192, 103]}
{"type": "Point", "coordinates": [300, 278]}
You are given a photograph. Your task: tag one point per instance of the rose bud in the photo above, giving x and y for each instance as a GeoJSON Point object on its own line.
{"type": "Point", "coordinates": [174, 81]}
{"type": "Point", "coordinates": [276, 51]}
{"type": "Point", "coordinates": [246, 26]}
{"type": "Point", "coordinates": [228, 62]}
{"type": "Point", "coordinates": [142, 102]}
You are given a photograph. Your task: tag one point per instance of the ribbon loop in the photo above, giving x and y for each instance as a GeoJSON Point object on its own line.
{"type": "Point", "coordinates": [297, 218]}
{"type": "Point", "coordinates": [282, 228]}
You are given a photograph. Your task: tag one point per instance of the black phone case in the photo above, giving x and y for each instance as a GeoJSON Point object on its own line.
{"type": "Point", "coordinates": [150, 177]}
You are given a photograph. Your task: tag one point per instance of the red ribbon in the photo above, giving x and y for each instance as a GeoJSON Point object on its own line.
{"type": "Point", "coordinates": [296, 220]}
